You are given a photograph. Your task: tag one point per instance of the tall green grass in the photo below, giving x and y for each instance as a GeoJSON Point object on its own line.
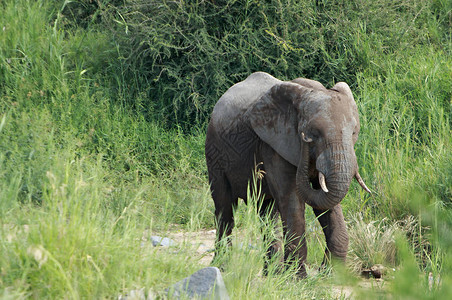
{"type": "Point", "coordinates": [82, 180]}
{"type": "Point", "coordinates": [76, 244]}
{"type": "Point", "coordinates": [102, 134]}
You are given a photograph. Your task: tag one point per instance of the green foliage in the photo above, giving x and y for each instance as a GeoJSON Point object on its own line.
{"type": "Point", "coordinates": [85, 13]}
{"type": "Point", "coordinates": [405, 132]}
{"type": "Point", "coordinates": [188, 53]}
{"type": "Point", "coordinates": [75, 245]}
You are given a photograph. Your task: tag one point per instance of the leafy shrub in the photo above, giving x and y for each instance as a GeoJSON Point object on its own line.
{"type": "Point", "coordinates": [188, 53]}
{"type": "Point", "coordinates": [83, 13]}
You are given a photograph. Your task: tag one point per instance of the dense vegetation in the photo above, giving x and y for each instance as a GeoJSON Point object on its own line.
{"type": "Point", "coordinates": [103, 110]}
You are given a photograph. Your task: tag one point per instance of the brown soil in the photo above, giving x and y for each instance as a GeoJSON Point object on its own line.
{"type": "Point", "coordinates": [204, 242]}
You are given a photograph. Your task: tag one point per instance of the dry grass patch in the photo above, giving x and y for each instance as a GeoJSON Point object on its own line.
{"type": "Point", "coordinates": [373, 244]}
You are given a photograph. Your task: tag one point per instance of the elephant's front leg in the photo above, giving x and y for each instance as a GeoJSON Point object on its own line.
{"type": "Point", "coordinates": [293, 219]}
{"type": "Point", "coordinates": [335, 230]}
{"type": "Point", "coordinates": [281, 182]}
{"type": "Point", "coordinates": [268, 211]}
{"type": "Point", "coordinates": [224, 217]}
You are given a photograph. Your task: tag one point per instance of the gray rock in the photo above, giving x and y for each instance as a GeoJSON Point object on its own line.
{"type": "Point", "coordinates": [206, 283]}
{"type": "Point", "coordinates": [162, 241]}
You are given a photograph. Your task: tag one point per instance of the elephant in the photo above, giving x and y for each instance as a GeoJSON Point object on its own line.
{"type": "Point", "coordinates": [303, 136]}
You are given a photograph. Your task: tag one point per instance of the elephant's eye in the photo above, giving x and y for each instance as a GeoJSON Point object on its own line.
{"type": "Point", "coordinates": [305, 138]}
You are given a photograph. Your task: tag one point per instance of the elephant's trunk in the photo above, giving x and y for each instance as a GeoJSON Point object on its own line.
{"type": "Point", "coordinates": [336, 172]}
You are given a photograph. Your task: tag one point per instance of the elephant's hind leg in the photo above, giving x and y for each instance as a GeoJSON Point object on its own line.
{"type": "Point", "coordinates": [224, 205]}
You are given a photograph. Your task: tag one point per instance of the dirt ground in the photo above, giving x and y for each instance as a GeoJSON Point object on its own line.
{"type": "Point", "coordinates": [204, 243]}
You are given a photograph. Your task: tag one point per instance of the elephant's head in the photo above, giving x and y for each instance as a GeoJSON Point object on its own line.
{"type": "Point", "coordinates": [314, 129]}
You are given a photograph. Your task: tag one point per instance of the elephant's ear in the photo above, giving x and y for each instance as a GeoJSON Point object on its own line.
{"type": "Point", "coordinates": [309, 83]}
{"type": "Point", "coordinates": [275, 120]}
{"type": "Point", "coordinates": [343, 88]}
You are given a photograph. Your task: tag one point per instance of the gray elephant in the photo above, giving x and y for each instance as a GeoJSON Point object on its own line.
{"type": "Point", "coordinates": [304, 134]}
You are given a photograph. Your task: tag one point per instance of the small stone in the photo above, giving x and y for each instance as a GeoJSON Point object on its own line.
{"type": "Point", "coordinates": [250, 246]}
{"type": "Point", "coordinates": [159, 241]}
{"type": "Point", "coordinates": [205, 248]}
{"type": "Point", "coordinates": [205, 283]}
{"type": "Point", "coordinates": [430, 281]}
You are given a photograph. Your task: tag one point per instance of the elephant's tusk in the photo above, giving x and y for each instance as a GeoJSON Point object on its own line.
{"type": "Point", "coordinates": [305, 138]}
{"type": "Point", "coordinates": [361, 183]}
{"type": "Point", "coordinates": [322, 182]}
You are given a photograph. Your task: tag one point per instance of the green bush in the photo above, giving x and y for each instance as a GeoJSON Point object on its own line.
{"type": "Point", "coordinates": [188, 53]}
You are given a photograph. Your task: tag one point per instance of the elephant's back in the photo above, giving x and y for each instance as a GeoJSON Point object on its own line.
{"type": "Point", "coordinates": [238, 98]}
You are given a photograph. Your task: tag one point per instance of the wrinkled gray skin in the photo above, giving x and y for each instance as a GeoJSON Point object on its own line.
{"type": "Point", "coordinates": [298, 130]}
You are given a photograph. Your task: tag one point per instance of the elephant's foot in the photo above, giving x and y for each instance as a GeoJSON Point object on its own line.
{"type": "Point", "coordinates": [273, 261]}
{"type": "Point", "coordinates": [297, 257]}
{"type": "Point", "coordinates": [330, 259]}
{"type": "Point", "coordinates": [334, 255]}
{"type": "Point", "coordinates": [279, 268]}
{"type": "Point", "coordinates": [218, 262]}
{"type": "Point", "coordinates": [220, 258]}
{"type": "Point", "coordinates": [301, 273]}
